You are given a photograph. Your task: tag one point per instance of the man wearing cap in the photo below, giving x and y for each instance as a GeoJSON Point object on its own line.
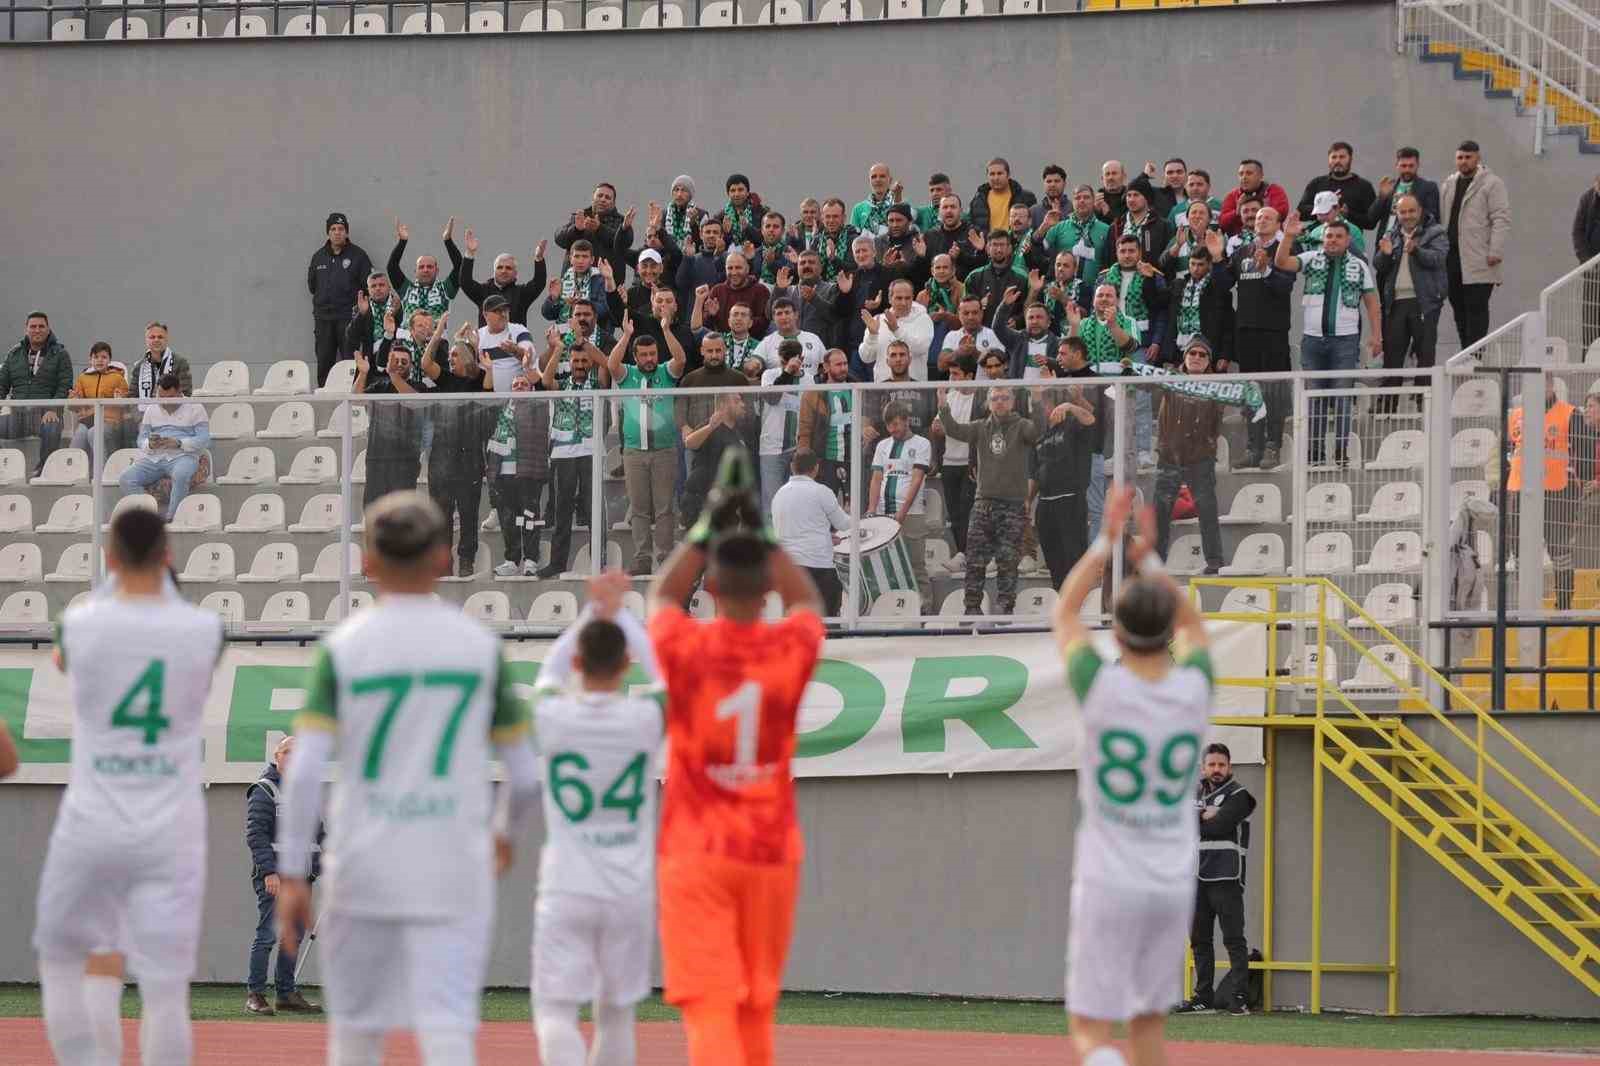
{"type": "Point", "coordinates": [1138, 220]}
{"type": "Point", "coordinates": [508, 344]}
{"type": "Point", "coordinates": [520, 296]}
{"type": "Point", "coordinates": [337, 272]}
{"type": "Point", "coordinates": [900, 247]}
{"type": "Point", "coordinates": [1186, 454]}
{"type": "Point", "coordinates": [1325, 207]}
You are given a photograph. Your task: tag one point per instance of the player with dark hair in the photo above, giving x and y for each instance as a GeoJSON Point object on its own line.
{"type": "Point", "coordinates": [125, 873]}
{"type": "Point", "coordinates": [1144, 717]}
{"type": "Point", "coordinates": [730, 837]}
{"type": "Point", "coordinates": [414, 692]}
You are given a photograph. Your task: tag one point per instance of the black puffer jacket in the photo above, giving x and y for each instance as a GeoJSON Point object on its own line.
{"type": "Point", "coordinates": [261, 825]}
{"type": "Point", "coordinates": [334, 280]}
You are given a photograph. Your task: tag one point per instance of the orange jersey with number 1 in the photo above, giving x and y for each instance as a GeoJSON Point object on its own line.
{"type": "Point", "coordinates": [733, 697]}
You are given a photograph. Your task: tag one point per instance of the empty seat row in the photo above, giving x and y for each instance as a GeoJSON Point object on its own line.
{"type": "Point", "coordinates": [282, 611]}
{"type": "Point", "coordinates": [1326, 554]}
{"type": "Point", "coordinates": [1374, 672]}
{"type": "Point", "coordinates": [208, 564]}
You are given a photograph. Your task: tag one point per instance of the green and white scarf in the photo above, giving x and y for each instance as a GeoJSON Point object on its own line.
{"type": "Point", "coordinates": [572, 422]}
{"type": "Point", "coordinates": [877, 213]}
{"type": "Point", "coordinates": [1133, 304]}
{"type": "Point", "coordinates": [835, 251]}
{"type": "Point", "coordinates": [738, 222]}
{"type": "Point", "coordinates": [837, 443]}
{"type": "Point", "coordinates": [1130, 228]}
{"type": "Point", "coordinates": [772, 257]}
{"type": "Point", "coordinates": [940, 297]}
{"type": "Point", "coordinates": [1244, 394]}
{"type": "Point", "coordinates": [504, 441]}
{"type": "Point", "coordinates": [572, 288]}
{"type": "Point", "coordinates": [675, 220]}
{"type": "Point", "coordinates": [740, 350]}
{"type": "Point", "coordinates": [1058, 308]}
{"type": "Point", "coordinates": [1097, 338]}
{"type": "Point", "coordinates": [433, 299]}
{"type": "Point", "coordinates": [1189, 306]}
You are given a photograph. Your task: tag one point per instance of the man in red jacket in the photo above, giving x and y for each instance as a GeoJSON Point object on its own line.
{"type": "Point", "coordinates": [1252, 179]}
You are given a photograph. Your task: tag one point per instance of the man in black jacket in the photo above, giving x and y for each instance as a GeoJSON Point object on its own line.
{"type": "Point", "coordinates": [999, 191]}
{"type": "Point", "coordinates": [1405, 181]}
{"type": "Point", "coordinates": [1586, 245]}
{"type": "Point", "coordinates": [1356, 194]}
{"type": "Point", "coordinates": [1261, 333]}
{"type": "Point", "coordinates": [260, 829]}
{"type": "Point", "coordinates": [520, 295]}
{"type": "Point", "coordinates": [338, 271]}
{"type": "Point", "coordinates": [1070, 427]}
{"type": "Point", "coordinates": [1224, 808]}
{"type": "Point", "coordinates": [604, 227]}
{"type": "Point", "coordinates": [1201, 302]}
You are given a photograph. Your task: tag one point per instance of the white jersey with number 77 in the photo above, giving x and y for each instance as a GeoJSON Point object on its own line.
{"type": "Point", "coordinates": [1136, 785]}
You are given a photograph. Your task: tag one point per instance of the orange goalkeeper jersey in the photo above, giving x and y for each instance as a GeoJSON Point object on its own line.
{"type": "Point", "coordinates": [733, 697]}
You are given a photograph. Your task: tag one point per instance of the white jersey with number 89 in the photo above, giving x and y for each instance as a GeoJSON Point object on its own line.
{"type": "Point", "coordinates": [1136, 785]}
{"type": "Point", "coordinates": [140, 671]}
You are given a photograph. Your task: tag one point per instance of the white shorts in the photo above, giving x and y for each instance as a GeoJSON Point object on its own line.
{"type": "Point", "coordinates": [405, 973]}
{"type": "Point", "coordinates": [142, 899]}
{"type": "Point", "coordinates": [1125, 950]}
{"type": "Point", "coordinates": [591, 950]}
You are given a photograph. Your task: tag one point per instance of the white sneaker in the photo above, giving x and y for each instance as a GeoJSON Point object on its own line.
{"type": "Point", "coordinates": [507, 569]}
{"type": "Point", "coordinates": [530, 568]}
{"type": "Point", "coordinates": [991, 571]}
{"type": "Point", "coordinates": [957, 563]}
{"type": "Point", "coordinates": [1027, 565]}
{"type": "Point", "coordinates": [1147, 461]}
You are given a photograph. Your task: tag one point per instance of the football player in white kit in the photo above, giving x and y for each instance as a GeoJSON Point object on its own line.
{"type": "Point", "coordinates": [413, 692]}
{"type": "Point", "coordinates": [126, 867]}
{"type": "Point", "coordinates": [594, 922]}
{"type": "Point", "coordinates": [1138, 846]}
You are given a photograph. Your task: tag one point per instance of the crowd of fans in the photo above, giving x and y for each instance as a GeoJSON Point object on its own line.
{"type": "Point", "coordinates": [1037, 294]}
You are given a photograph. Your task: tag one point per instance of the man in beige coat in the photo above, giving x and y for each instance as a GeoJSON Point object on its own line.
{"type": "Point", "coordinates": [1477, 218]}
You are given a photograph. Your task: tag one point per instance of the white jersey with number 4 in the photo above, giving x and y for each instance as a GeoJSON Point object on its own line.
{"type": "Point", "coordinates": [598, 756]}
{"type": "Point", "coordinates": [140, 672]}
{"type": "Point", "coordinates": [1142, 742]}
{"type": "Point", "coordinates": [412, 689]}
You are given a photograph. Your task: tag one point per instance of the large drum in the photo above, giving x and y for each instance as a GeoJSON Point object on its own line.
{"type": "Point", "coordinates": [885, 561]}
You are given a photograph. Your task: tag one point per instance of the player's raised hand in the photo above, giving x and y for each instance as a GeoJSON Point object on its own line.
{"type": "Point", "coordinates": [1118, 506]}
{"type": "Point", "coordinates": [606, 591]}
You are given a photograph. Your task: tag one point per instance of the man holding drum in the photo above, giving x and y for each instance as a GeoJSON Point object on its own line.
{"type": "Point", "coordinates": [900, 468]}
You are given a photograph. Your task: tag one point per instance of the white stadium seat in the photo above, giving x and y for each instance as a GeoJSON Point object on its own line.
{"type": "Point", "coordinates": [1472, 447]}
{"type": "Point", "coordinates": [1329, 658]}
{"type": "Point", "coordinates": [556, 607]}
{"type": "Point", "coordinates": [1403, 449]}
{"type": "Point", "coordinates": [67, 29]}
{"type": "Point", "coordinates": [633, 600]}
{"type": "Point", "coordinates": [1389, 604]}
{"type": "Point", "coordinates": [836, 11]}
{"type": "Point", "coordinates": [301, 26]}
{"type": "Point", "coordinates": [284, 609]}
{"type": "Point", "coordinates": [1186, 555]}
{"type": "Point", "coordinates": [366, 24]}
{"type": "Point", "coordinates": [1259, 553]}
{"type": "Point", "coordinates": [21, 563]}
{"type": "Point", "coordinates": [326, 567]}
{"type": "Point", "coordinates": [227, 377]}
{"type": "Point", "coordinates": [127, 30]}
{"type": "Point", "coordinates": [287, 377]}
{"type": "Point", "coordinates": [229, 604]}
{"type": "Point", "coordinates": [1020, 7]}
{"type": "Point", "coordinates": [359, 415]}
{"type": "Point", "coordinates": [580, 563]}
{"type": "Point", "coordinates": [209, 563]}
{"type": "Point", "coordinates": [315, 465]}
{"type": "Point", "coordinates": [279, 561]}
{"type": "Point", "coordinates": [1332, 608]}
{"type": "Point", "coordinates": [1395, 553]}
{"type": "Point", "coordinates": [1329, 553]}
{"type": "Point", "coordinates": [73, 565]}
{"type": "Point", "coordinates": [419, 22]}
{"type": "Point", "coordinates": [24, 610]}
{"type": "Point", "coordinates": [342, 375]}
{"type": "Point", "coordinates": [490, 605]}
{"type": "Point", "coordinates": [1352, 449]}
{"type": "Point", "coordinates": [1476, 397]}
{"type": "Point", "coordinates": [1461, 491]}
{"type": "Point", "coordinates": [952, 8]}
{"type": "Point", "coordinates": [604, 17]}
{"type": "Point", "coordinates": [200, 512]}
{"type": "Point", "coordinates": [1036, 602]}
{"type": "Point", "coordinates": [662, 16]}
{"type": "Point", "coordinates": [359, 598]}
{"type": "Point", "coordinates": [937, 554]}
{"type": "Point", "coordinates": [66, 466]}
{"type": "Point", "coordinates": [1258, 503]}
{"type": "Point", "coordinates": [358, 468]}
{"type": "Point", "coordinates": [954, 606]}
{"type": "Point", "coordinates": [1397, 501]}
{"type": "Point", "coordinates": [1371, 677]}
{"type": "Point", "coordinates": [16, 514]}
{"type": "Point", "coordinates": [1249, 601]}
{"type": "Point", "coordinates": [320, 514]}
{"type": "Point", "coordinates": [902, 9]}
{"type": "Point", "coordinates": [233, 421]}
{"type": "Point", "coordinates": [1332, 501]}
{"type": "Point", "coordinates": [782, 12]}
{"type": "Point", "coordinates": [701, 605]}
{"type": "Point", "coordinates": [486, 22]}
{"type": "Point", "coordinates": [117, 462]}
{"type": "Point", "coordinates": [245, 26]}
{"type": "Point", "coordinates": [186, 26]}
{"type": "Point", "coordinates": [127, 503]}
{"type": "Point", "coordinates": [545, 18]}
{"type": "Point", "coordinates": [290, 421]}
{"type": "Point", "coordinates": [897, 603]}
{"type": "Point", "coordinates": [13, 466]}
{"type": "Point", "coordinates": [719, 13]}
{"type": "Point", "coordinates": [262, 512]}
{"type": "Point", "coordinates": [250, 466]}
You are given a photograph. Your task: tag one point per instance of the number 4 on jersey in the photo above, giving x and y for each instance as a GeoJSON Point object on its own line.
{"type": "Point", "coordinates": [145, 697]}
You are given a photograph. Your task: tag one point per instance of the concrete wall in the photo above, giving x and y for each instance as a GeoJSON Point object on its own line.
{"type": "Point", "coordinates": [959, 886]}
{"type": "Point", "coordinates": [187, 181]}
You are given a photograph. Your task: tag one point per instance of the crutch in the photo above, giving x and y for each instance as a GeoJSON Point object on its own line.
{"type": "Point", "coordinates": [305, 947]}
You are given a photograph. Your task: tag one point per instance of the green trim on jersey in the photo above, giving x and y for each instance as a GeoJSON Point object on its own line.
{"type": "Point", "coordinates": [891, 482]}
{"type": "Point", "coordinates": [510, 719]}
{"type": "Point", "coordinates": [1200, 659]}
{"type": "Point", "coordinates": [1083, 666]}
{"type": "Point", "coordinates": [322, 695]}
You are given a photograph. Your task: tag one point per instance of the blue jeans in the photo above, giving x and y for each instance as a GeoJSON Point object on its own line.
{"type": "Point", "coordinates": [774, 472]}
{"type": "Point", "coordinates": [146, 471]}
{"type": "Point", "coordinates": [1329, 353]}
{"type": "Point", "coordinates": [1097, 493]}
{"type": "Point", "coordinates": [261, 947]}
{"type": "Point", "coordinates": [1144, 422]}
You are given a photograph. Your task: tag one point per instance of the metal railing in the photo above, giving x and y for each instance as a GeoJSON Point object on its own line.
{"type": "Point", "coordinates": [1538, 50]}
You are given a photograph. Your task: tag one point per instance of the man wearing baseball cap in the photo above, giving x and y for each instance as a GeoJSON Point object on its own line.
{"type": "Point", "coordinates": [1325, 207]}
{"type": "Point", "coordinates": [338, 271]}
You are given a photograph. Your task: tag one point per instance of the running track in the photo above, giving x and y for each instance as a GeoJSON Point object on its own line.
{"type": "Point", "coordinates": [22, 1043]}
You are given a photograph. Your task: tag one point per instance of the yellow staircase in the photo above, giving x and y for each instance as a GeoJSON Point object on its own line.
{"type": "Point", "coordinates": [1504, 79]}
{"type": "Point", "coordinates": [1450, 812]}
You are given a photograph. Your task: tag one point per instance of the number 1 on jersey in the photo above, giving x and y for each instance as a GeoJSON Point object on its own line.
{"type": "Point", "coordinates": [744, 703]}
{"type": "Point", "coordinates": [145, 695]}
